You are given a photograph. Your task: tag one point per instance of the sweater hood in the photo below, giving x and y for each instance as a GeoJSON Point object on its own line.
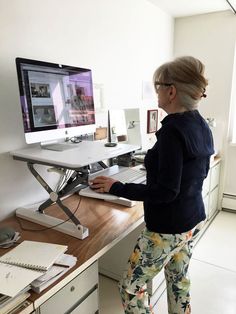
{"type": "Point", "coordinates": [193, 131]}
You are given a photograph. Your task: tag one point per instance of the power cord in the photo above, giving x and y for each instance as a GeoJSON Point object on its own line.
{"type": "Point", "coordinates": [48, 228]}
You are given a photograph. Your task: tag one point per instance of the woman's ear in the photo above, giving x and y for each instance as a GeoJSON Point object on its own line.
{"type": "Point", "coordinates": [172, 92]}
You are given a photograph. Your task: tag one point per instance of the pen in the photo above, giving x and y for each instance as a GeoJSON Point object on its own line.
{"type": "Point", "coordinates": [61, 265]}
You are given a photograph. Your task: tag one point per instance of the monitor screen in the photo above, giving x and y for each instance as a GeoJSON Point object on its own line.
{"type": "Point", "coordinates": [56, 100]}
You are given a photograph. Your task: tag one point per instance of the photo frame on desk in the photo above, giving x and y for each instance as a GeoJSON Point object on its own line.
{"type": "Point", "coordinates": [152, 119]}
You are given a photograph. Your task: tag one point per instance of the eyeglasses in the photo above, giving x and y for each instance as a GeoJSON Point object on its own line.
{"type": "Point", "coordinates": [204, 95]}
{"type": "Point", "coordinates": [158, 84]}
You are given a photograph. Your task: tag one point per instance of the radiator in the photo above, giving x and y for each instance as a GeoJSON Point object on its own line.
{"type": "Point", "coordinates": [229, 202]}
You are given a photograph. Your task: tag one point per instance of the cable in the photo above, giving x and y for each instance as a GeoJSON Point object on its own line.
{"type": "Point", "coordinates": [48, 228]}
{"type": "Point", "coordinates": [231, 6]}
{"type": "Point", "coordinates": [63, 180]}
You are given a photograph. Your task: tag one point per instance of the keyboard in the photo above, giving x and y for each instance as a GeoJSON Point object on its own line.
{"type": "Point", "coordinates": [122, 174]}
{"type": "Point", "coordinates": [130, 176]}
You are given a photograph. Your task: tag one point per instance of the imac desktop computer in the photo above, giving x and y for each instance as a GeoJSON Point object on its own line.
{"type": "Point", "coordinates": [56, 101]}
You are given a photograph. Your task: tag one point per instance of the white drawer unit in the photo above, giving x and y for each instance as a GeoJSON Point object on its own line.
{"type": "Point", "coordinates": [155, 283]}
{"type": "Point", "coordinates": [206, 186]}
{"type": "Point", "coordinates": [213, 202]}
{"type": "Point", "coordinates": [113, 263]}
{"type": "Point", "coordinates": [215, 176]}
{"type": "Point", "coordinates": [210, 189]}
{"type": "Point", "coordinates": [78, 294]}
{"type": "Point", "coordinates": [206, 204]}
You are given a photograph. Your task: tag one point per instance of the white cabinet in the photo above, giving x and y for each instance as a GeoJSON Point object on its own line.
{"type": "Point", "coordinates": [79, 296]}
{"type": "Point", "coordinates": [113, 263]}
{"type": "Point", "coordinates": [210, 189]}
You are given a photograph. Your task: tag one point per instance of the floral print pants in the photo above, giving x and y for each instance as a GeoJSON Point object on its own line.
{"type": "Point", "coordinates": [152, 252]}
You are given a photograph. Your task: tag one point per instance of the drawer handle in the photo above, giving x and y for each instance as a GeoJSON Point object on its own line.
{"type": "Point", "coordinates": [72, 288]}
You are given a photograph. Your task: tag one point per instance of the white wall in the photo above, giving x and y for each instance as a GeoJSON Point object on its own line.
{"type": "Point", "coordinates": [211, 38]}
{"type": "Point", "coordinates": [121, 41]}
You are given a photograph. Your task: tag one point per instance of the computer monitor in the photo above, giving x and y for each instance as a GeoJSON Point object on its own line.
{"type": "Point", "coordinates": [56, 100]}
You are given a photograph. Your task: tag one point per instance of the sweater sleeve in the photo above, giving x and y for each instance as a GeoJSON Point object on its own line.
{"type": "Point", "coordinates": [168, 177]}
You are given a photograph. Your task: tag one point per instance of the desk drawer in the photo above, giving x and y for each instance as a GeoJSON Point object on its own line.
{"type": "Point", "coordinates": [89, 305]}
{"type": "Point", "coordinates": [215, 176]}
{"type": "Point", "coordinates": [206, 186]}
{"type": "Point", "coordinates": [155, 283]}
{"type": "Point", "coordinates": [72, 295]}
{"type": "Point", "coordinates": [213, 202]}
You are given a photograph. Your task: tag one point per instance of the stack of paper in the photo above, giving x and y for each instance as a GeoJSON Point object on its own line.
{"type": "Point", "coordinates": [14, 279]}
{"type": "Point", "coordinates": [61, 266]}
{"type": "Point", "coordinates": [11, 304]}
{"type": "Point", "coordinates": [25, 263]}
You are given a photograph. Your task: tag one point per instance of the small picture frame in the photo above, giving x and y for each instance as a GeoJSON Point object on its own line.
{"type": "Point", "coordinates": [152, 119]}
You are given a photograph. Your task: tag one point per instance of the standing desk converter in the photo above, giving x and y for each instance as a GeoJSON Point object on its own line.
{"type": "Point", "coordinates": [76, 159]}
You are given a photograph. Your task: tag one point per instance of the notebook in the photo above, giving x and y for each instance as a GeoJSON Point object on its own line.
{"type": "Point", "coordinates": [14, 279]}
{"type": "Point", "coordinates": [34, 255]}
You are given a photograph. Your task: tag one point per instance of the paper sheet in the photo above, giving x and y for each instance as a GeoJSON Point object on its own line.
{"type": "Point", "coordinates": [13, 279]}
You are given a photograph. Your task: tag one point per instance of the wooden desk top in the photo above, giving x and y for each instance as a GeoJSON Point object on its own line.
{"type": "Point", "coordinates": [108, 223]}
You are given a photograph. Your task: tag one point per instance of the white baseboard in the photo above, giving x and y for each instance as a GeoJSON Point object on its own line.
{"type": "Point", "coordinates": [229, 202]}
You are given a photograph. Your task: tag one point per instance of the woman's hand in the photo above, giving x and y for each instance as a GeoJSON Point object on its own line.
{"type": "Point", "coordinates": [101, 184]}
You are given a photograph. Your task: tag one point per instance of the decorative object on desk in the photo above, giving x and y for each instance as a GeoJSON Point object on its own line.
{"type": "Point", "coordinates": [34, 255]}
{"type": "Point", "coordinates": [122, 138]}
{"type": "Point", "coordinates": [100, 134]}
{"type": "Point", "coordinates": [8, 237]}
{"type": "Point", "coordinates": [152, 118]}
{"type": "Point", "coordinates": [111, 135]}
{"type": "Point", "coordinates": [110, 144]}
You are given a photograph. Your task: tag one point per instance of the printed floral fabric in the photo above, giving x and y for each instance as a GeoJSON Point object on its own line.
{"type": "Point", "coordinates": [152, 252]}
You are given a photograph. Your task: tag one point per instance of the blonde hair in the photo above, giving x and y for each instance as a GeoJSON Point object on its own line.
{"type": "Point", "coordinates": [187, 75]}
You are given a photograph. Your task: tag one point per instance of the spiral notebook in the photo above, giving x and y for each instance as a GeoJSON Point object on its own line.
{"type": "Point", "coordinates": [34, 255]}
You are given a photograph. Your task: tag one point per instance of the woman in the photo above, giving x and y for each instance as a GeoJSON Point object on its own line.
{"type": "Point", "coordinates": [173, 207]}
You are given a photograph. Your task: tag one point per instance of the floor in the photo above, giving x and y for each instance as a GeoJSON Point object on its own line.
{"type": "Point", "coordinates": [212, 271]}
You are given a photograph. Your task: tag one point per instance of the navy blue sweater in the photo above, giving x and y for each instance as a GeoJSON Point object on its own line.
{"type": "Point", "coordinates": [176, 166]}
